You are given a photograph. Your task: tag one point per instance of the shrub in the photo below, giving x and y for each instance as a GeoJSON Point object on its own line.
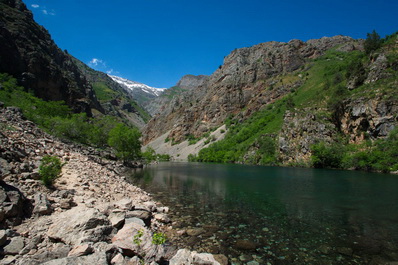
{"type": "Point", "coordinates": [159, 239]}
{"type": "Point", "coordinates": [50, 169]}
{"type": "Point", "coordinates": [126, 142]}
{"type": "Point", "coordinates": [327, 155]}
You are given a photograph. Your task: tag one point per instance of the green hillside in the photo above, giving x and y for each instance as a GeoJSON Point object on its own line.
{"type": "Point", "coordinates": [325, 91]}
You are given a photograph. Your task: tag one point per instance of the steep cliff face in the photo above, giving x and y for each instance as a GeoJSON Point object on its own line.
{"type": "Point", "coordinates": [367, 112]}
{"type": "Point", "coordinates": [28, 53]}
{"type": "Point", "coordinates": [249, 79]}
{"type": "Point", "coordinates": [166, 102]}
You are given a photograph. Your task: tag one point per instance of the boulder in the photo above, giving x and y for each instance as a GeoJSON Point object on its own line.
{"type": "Point", "coordinates": [81, 250]}
{"type": "Point", "coordinates": [183, 256]}
{"type": "Point", "coordinates": [135, 239]}
{"type": "Point", "coordinates": [125, 204]}
{"type": "Point", "coordinates": [163, 218]}
{"type": "Point", "coordinates": [118, 259]}
{"type": "Point", "coordinates": [15, 246]}
{"type": "Point", "coordinates": [203, 259]}
{"type": "Point", "coordinates": [117, 219]}
{"type": "Point", "coordinates": [141, 214]}
{"type": "Point", "coordinates": [134, 220]}
{"type": "Point", "coordinates": [96, 258]}
{"type": "Point", "coordinates": [42, 206]}
{"type": "Point", "coordinates": [72, 225]}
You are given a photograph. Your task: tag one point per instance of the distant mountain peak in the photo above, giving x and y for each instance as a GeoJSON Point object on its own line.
{"type": "Point", "coordinates": [135, 87]}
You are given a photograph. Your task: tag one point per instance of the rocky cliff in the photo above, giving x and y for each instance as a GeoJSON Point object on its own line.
{"type": "Point", "coordinates": [249, 79]}
{"type": "Point", "coordinates": [28, 53]}
{"type": "Point", "coordinates": [280, 99]}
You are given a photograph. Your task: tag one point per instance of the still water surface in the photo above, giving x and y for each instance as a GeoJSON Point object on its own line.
{"type": "Point", "coordinates": [279, 215]}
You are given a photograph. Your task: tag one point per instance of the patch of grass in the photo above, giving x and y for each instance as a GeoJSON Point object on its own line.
{"type": "Point", "coordinates": [103, 92]}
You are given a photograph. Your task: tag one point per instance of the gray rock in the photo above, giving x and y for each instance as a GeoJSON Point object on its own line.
{"type": "Point", "coordinates": [7, 260]}
{"type": "Point", "coordinates": [81, 250]}
{"type": "Point", "coordinates": [136, 239]}
{"type": "Point", "coordinates": [42, 205]}
{"type": "Point", "coordinates": [117, 219]}
{"type": "Point", "coordinates": [15, 246]}
{"type": "Point", "coordinates": [183, 256]}
{"type": "Point", "coordinates": [97, 234]}
{"type": "Point", "coordinates": [125, 204]}
{"type": "Point", "coordinates": [203, 259]}
{"type": "Point", "coordinates": [96, 258]}
{"type": "Point", "coordinates": [118, 259]}
{"type": "Point", "coordinates": [5, 168]}
{"type": "Point", "coordinates": [70, 226]}
{"type": "Point", "coordinates": [134, 220]}
{"type": "Point", "coordinates": [32, 244]}
{"type": "Point", "coordinates": [142, 214]}
{"type": "Point", "coordinates": [161, 217]}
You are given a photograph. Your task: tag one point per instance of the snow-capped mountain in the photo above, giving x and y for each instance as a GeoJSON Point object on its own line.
{"type": "Point", "coordinates": [136, 88]}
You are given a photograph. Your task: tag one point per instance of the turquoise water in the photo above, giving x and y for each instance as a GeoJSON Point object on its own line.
{"type": "Point", "coordinates": [280, 215]}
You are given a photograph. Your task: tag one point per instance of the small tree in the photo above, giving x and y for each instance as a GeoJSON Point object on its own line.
{"type": "Point", "coordinates": [126, 142]}
{"type": "Point", "coordinates": [50, 169]}
{"type": "Point", "coordinates": [372, 42]}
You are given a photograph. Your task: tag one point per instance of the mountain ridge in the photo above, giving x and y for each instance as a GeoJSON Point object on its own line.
{"type": "Point", "coordinates": [284, 103]}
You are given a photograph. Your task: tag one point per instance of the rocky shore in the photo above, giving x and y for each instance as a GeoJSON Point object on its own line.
{"type": "Point", "coordinates": [92, 215]}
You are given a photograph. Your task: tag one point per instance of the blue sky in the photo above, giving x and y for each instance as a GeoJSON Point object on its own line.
{"type": "Point", "coordinates": [156, 42]}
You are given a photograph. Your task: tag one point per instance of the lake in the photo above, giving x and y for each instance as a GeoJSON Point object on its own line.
{"type": "Point", "coordinates": [276, 215]}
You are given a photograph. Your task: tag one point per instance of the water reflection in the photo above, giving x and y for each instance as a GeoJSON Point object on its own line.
{"type": "Point", "coordinates": [290, 214]}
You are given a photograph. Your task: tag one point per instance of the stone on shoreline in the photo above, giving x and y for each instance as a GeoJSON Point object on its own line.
{"type": "Point", "coordinates": [135, 239]}
{"type": "Point", "coordinates": [186, 257]}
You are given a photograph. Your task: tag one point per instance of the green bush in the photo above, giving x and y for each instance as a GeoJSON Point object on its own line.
{"type": "Point", "coordinates": [327, 155]}
{"type": "Point", "coordinates": [126, 142]}
{"type": "Point", "coordinates": [159, 239]}
{"type": "Point", "coordinates": [50, 169]}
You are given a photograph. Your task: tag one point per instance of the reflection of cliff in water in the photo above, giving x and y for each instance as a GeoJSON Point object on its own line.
{"type": "Point", "coordinates": [321, 210]}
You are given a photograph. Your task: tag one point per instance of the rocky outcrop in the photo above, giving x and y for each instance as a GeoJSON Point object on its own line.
{"type": "Point", "coordinates": [178, 95]}
{"type": "Point", "coordinates": [190, 82]}
{"type": "Point", "coordinates": [367, 118]}
{"type": "Point", "coordinates": [301, 129]}
{"type": "Point", "coordinates": [28, 53]}
{"type": "Point", "coordinates": [359, 119]}
{"type": "Point", "coordinates": [249, 79]}
{"type": "Point", "coordinates": [91, 214]}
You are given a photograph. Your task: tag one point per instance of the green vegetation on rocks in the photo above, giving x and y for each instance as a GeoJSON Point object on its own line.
{"type": "Point", "coordinates": [332, 87]}
{"type": "Point", "coordinates": [57, 118]}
